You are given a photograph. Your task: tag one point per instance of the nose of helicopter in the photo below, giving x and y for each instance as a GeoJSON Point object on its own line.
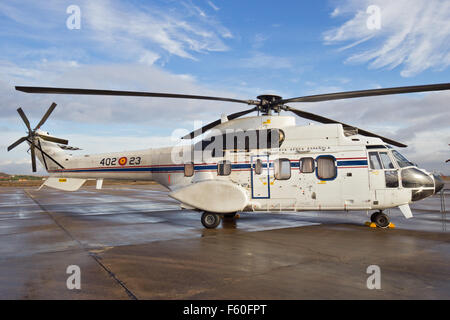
{"type": "Point", "coordinates": [438, 183]}
{"type": "Point", "coordinates": [423, 183]}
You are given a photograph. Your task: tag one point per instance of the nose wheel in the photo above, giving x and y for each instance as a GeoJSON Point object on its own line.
{"type": "Point", "coordinates": [210, 220]}
{"type": "Point", "coordinates": [380, 219]}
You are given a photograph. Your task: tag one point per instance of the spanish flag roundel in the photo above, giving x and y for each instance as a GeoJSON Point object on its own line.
{"type": "Point", "coordinates": [123, 161]}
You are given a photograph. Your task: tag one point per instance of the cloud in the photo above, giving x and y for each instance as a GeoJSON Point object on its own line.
{"type": "Point", "coordinates": [181, 31]}
{"type": "Point", "coordinates": [258, 40]}
{"type": "Point", "coordinates": [335, 12]}
{"type": "Point", "coordinates": [212, 5]}
{"type": "Point", "coordinates": [166, 113]}
{"type": "Point", "coordinates": [260, 60]}
{"type": "Point", "coordinates": [414, 35]}
{"type": "Point", "coordinates": [143, 32]}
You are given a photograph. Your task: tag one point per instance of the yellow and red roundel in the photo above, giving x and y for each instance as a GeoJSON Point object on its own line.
{"type": "Point", "coordinates": [123, 161]}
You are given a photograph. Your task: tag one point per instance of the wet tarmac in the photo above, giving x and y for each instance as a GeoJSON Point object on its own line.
{"type": "Point", "coordinates": [133, 242]}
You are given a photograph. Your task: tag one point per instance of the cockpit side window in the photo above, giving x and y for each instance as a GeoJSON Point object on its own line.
{"type": "Point", "coordinates": [381, 160]}
{"type": "Point", "coordinates": [387, 163]}
{"type": "Point", "coordinates": [374, 160]}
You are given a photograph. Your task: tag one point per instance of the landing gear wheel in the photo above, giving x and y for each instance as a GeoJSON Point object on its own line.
{"type": "Point", "coordinates": [374, 216]}
{"type": "Point", "coordinates": [210, 220]}
{"type": "Point", "coordinates": [380, 219]}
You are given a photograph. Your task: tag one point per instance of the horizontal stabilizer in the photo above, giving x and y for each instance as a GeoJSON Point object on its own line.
{"type": "Point", "coordinates": [66, 184]}
{"type": "Point", "coordinates": [68, 147]}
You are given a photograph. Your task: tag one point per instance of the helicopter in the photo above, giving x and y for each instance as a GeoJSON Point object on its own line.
{"type": "Point", "coordinates": [261, 163]}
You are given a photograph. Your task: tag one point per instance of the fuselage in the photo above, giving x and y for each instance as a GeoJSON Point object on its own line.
{"type": "Point", "coordinates": [314, 167]}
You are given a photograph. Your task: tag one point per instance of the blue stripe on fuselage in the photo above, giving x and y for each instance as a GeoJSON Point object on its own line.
{"type": "Point", "coordinates": [294, 164]}
{"type": "Point", "coordinates": [352, 163]}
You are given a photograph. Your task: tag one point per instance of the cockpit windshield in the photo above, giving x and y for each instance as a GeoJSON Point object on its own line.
{"type": "Point", "coordinates": [401, 160]}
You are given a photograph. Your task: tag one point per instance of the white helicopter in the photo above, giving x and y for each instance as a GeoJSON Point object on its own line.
{"type": "Point", "coordinates": [262, 163]}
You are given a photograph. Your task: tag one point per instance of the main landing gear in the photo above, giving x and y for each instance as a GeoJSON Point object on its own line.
{"type": "Point", "coordinates": [210, 220]}
{"type": "Point", "coordinates": [380, 219]}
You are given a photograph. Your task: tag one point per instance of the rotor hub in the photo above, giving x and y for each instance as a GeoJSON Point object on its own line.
{"type": "Point", "coordinates": [269, 102]}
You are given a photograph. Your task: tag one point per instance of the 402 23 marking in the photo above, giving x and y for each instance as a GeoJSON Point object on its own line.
{"type": "Point", "coordinates": [121, 161]}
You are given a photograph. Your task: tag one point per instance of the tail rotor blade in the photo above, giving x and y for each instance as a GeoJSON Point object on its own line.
{"type": "Point", "coordinates": [24, 118]}
{"type": "Point", "coordinates": [53, 139]}
{"type": "Point", "coordinates": [33, 158]}
{"type": "Point", "coordinates": [15, 144]}
{"type": "Point", "coordinates": [46, 115]}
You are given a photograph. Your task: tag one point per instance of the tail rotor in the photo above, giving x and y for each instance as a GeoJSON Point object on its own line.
{"type": "Point", "coordinates": [34, 133]}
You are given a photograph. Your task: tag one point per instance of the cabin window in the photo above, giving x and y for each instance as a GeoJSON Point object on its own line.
{"type": "Point", "coordinates": [224, 168]}
{"type": "Point", "coordinates": [188, 169]}
{"type": "Point", "coordinates": [307, 165]}
{"type": "Point", "coordinates": [258, 166]}
{"type": "Point", "coordinates": [387, 163]}
{"type": "Point", "coordinates": [326, 168]}
{"type": "Point", "coordinates": [374, 160]}
{"type": "Point", "coordinates": [282, 169]}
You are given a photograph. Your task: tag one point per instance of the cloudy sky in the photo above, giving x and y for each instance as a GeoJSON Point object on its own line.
{"type": "Point", "coordinates": [227, 48]}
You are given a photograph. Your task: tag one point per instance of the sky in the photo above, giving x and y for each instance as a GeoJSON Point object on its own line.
{"type": "Point", "coordinates": [228, 48]}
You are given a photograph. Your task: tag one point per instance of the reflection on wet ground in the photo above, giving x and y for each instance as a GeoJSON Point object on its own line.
{"type": "Point", "coordinates": [128, 230]}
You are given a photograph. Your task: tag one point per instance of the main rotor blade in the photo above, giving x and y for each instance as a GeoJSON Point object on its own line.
{"type": "Point", "coordinates": [54, 139]}
{"type": "Point", "coordinates": [33, 157]}
{"type": "Point", "coordinates": [46, 115]}
{"type": "Point", "coordinates": [368, 93]}
{"type": "Point", "coordinates": [15, 144]}
{"type": "Point", "coordinates": [315, 117]}
{"type": "Point", "coordinates": [211, 125]}
{"type": "Point", "coordinates": [126, 93]}
{"type": "Point", "coordinates": [24, 118]}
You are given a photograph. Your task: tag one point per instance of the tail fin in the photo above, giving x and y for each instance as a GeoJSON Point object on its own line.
{"type": "Point", "coordinates": [50, 154]}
